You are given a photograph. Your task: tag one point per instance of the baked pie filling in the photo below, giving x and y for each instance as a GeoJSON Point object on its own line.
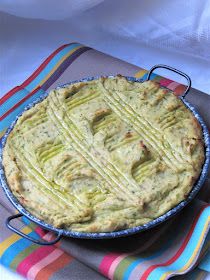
{"type": "Point", "coordinates": [104, 155]}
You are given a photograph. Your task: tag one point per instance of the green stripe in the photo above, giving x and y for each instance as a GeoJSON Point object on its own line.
{"type": "Point", "coordinates": [30, 224]}
{"type": "Point", "coordinates": [157, 78]}
{"type": "Point", "coordinates": [22, 255]}
{"type": "Point", "coordinates": [127, 261]}
{"type": "Point", "coordinates": [154, 248]}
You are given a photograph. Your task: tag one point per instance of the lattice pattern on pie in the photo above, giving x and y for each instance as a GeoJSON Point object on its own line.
{"type": "Point", "coordinates": [104, 155]}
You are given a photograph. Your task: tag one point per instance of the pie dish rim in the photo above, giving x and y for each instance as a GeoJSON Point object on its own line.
{"type": "Point", "coordinates": [120, 233]}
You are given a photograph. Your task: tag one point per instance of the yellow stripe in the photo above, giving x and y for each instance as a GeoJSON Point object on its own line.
{"type": "Point", "coordinates": [2, 132]}
{"type": "Point", "coordinates": [51, 72]}
{"type": "Point", "coordinates": [56, 66]}
{"type": "Point", "coordinates": [140, 73]}
{"type": "Point", "coordinates": [12, 239]}
{"type": "Point", "coordinates": [187, 265]}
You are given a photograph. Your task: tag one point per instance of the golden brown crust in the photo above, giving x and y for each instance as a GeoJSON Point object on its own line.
{"type": "Point", "coordinates": [104, 155]}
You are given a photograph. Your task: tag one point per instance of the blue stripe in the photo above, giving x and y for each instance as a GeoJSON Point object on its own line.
{"type": "Point", "coordinates": [170, 241]}
{"type": "Point", "coordinates": [50, 65]}
{"type": "Point", "coordinates": [145, 76]}
{"type": "Point", "coordinates": [188, 251]}
{"type": "Point", "coordinates": [11, 117]}
{"type": "Point", "coordinates": [26, 221]}
{"type": "Point", "coordinates": [15, 98]}
{"type": "Point", "coordinates": [12, 101]}
{"type": "Point", "coordinates": [205, 263]}
{"type": "Point", "coordinates": [140, 260]}
{"type": "Point", "coordinates": [13, 250]}
{"type": "Point", "coordinates": [134, 264]}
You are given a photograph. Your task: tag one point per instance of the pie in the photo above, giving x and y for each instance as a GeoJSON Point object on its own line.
{"type": "Point", "coordinates": [104, 155]}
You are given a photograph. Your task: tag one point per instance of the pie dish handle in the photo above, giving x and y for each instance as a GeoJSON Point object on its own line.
{"type": "Point", "coordinates": [37, 241]}
{"type": "Point", "coordinates": [173, 70]}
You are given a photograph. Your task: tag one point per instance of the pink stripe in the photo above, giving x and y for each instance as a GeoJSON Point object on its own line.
{"type": "Point", "coordinates": [165, 82]}
{"type": "Point", "coordinates": [106, 263]}
{"type": "Point", "coordinates": [173, 85]}
{"type": "Point", "coordinates": [114, 265]}
{"type": "Point", "coordinates": [40, 231]}
{"type": "Point", "coordinates": [48, 236]}
{"type": "Point", "coordinates": [34, 270]}
{"type": "Point", "coordinates": [34, 258]}
{"type": "Point", "coordinates": [111, 261]}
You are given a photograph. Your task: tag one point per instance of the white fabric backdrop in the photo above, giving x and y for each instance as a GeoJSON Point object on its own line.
{"type": "Point", "coordinates": [175, 32]}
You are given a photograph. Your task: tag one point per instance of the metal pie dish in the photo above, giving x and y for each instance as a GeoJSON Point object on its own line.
{"type": "Point", "coordinates": [104, 235]}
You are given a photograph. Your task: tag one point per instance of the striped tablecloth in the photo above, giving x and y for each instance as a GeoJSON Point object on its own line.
{"type": "Point", "coordinates": [177, 247]}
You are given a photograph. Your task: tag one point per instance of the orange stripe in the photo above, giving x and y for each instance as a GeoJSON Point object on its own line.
{"type": "Point", "coordinates": [56, 265]}
{"type": "Point", "coordinates": [12, 239]}
{"type": "Point", "coordinates": [140, 73]}
{"type": "Point", "coordinates": [179, 89]}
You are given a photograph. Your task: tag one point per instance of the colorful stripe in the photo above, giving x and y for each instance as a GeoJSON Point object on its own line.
{"type": "Point", "coordinates": [61, 67]}
{"type": "Point", "coordinates": [18, 109]}
{"type": "Point", "coordinates": [122, 266]}
{"type": "Point", "coordinates": [126, 263]}
{"type": "Point", "coordinates": [126, 270]}
{"type": "Point", "coordinates": [33, 258]}
{"type": "Point", "coordinates": [142, 73]}
{"type": "Point", "coordinates": [189, 245]}
{"type": "Point", "coordinates": [53, 266]}
{"type": "Point", "coordinates": [14, 249]}
{"type": "Point", "coordinates": [22, 255]}
{"type": "Point", "coordinates": [43, 77]}
{"type": "Point", "coordinates": [12, 239]}
{"type": "Point", "coordinates": [176, 87]}
{"type": "Point", "coordinates": [24, 91]}
{"type": "Point", "coordinates": [37, 71]}
{"type": "Point", "coordinates": [45, 68]}
{"type": "Point", "coordinates": [47, 257]}
{"type": "Point", "coordinates": [107, 262]}
{"type": "Point", "coordinates": [194, 254]}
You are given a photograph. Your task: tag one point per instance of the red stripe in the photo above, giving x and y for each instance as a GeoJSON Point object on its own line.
{"type": "Point", "coordinates": [73, 57]}
{"type": "Point", "coordinates": [165, 82]}
{"type": "Point", "coordinates": [107, 262]}
{"type": "Point", "coordinates": [37, 255]}
{"type": "Point", "coordinates": [19, 103]}
{"type": "Point", "coordinates": [178, 253]}
{"type": "Point", "coordinates": [34, 75]}
{"type": "Point", "coordinates": [10, 93]}
{"type": "Point", "coordinates": [40, 231]}
{"type": "Point", "coordinates": [41, 67]}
